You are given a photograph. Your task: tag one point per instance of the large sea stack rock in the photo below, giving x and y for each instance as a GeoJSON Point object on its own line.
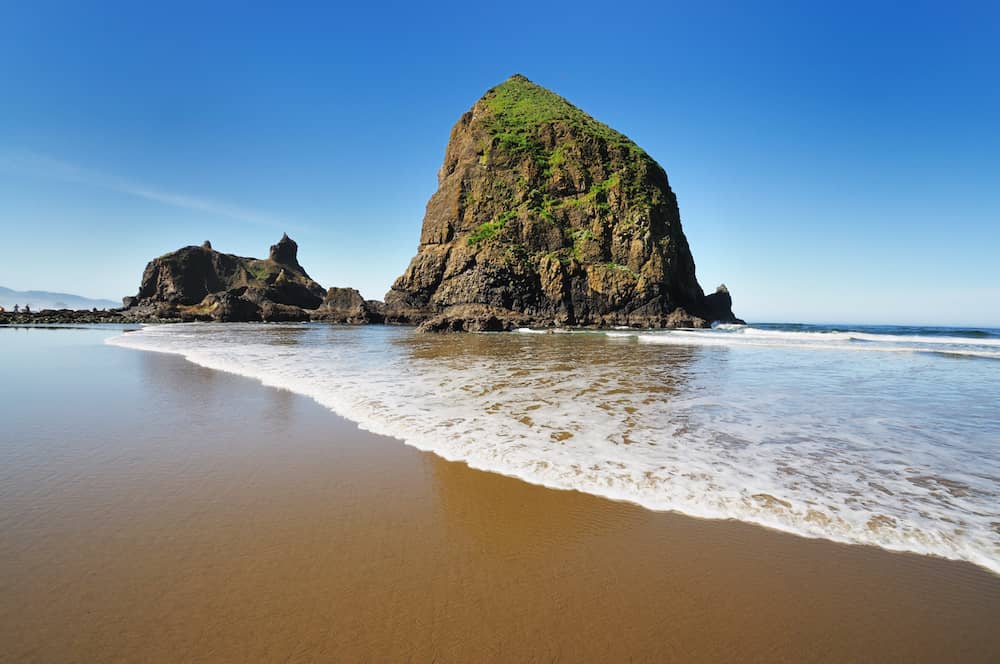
{"type": "Point", "coordinates": [545, 215]}
{"type": "Point", "coordinates": [199, 283]}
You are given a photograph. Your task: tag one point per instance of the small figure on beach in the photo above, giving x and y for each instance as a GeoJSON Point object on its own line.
{"type": "Point", "coordinates": [27, 308]}
{"type": "Point", "coordinates": [17, 308]}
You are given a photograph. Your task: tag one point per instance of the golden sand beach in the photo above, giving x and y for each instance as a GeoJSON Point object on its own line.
{"type": "Point", "coordinates": [153, 510]}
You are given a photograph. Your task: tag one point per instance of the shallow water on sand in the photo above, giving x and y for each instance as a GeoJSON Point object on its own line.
{"type": "Point", "coordinates": [155, 510]}
{"type": "Point", "coordinates": [883, 436]}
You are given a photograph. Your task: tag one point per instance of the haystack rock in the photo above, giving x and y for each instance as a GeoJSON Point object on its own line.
{"type": "Point", "coordinates": [545, 216]}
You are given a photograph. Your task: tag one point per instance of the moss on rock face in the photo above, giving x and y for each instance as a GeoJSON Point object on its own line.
{"type": "Point", "coordinates": [490, 228]}
{"type": "Point", "coordinates": [519, 107]}
{"type": "Point", "coordinates": [583, 207]}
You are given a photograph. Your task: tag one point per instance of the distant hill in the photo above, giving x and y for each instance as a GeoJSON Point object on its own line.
{"type": "Point", "coordinates": [39, 300]}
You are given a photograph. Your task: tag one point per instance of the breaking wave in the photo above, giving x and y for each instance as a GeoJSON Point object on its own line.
{"type": "Point", "coordinates": [742, 335]}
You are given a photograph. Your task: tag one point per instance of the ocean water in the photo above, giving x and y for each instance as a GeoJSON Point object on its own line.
{"type": "Point", "coordinates": [888, 436]}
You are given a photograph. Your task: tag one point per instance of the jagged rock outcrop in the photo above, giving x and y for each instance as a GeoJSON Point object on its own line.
{"type": "Point", "coordinates": [475, 318]}
{"type": "Point", "coordinates": [199, 283]}
{"type": "Point", "coordinates": [546, 216]}
{"type": "Point", "coordinates": [347, 306]}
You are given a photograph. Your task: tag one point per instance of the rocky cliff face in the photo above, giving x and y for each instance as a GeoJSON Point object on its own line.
{"type": "Point", "coordinates": [546, 216]}
{"type": "Point", "coordinates": [199, 283]}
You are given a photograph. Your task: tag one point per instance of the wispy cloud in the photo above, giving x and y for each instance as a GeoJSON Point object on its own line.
{"type": "Point", "coordinates": [38, 165]}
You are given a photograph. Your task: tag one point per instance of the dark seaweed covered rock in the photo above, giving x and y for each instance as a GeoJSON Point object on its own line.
{"type": "Point", "coordinates": [475, 318]}
{"type": "Point", "coordinates": [547, 214]}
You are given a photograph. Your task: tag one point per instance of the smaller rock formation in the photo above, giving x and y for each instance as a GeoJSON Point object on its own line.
{"type": "Point", "coordinates": [719, 306]}
{"type": "Point", "coordinates": [475, 318]}
{"type": "Point", "coordinates": [347, 306]}
{"type": "Point", "coordinates": [199, 283]}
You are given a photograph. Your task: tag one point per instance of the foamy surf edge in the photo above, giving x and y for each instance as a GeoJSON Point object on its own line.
{"type": "Point", "coordinates": [928, 546]}
{"type": "Point", "coordinates": [746, 336]}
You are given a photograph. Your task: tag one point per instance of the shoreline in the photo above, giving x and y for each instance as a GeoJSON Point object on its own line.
{"type": "Point", "coordinates": [367, 427]}
{"type": "Point", "coordinates": [617, 496]}
{"type": "Point", "coordinates": [267, 527]}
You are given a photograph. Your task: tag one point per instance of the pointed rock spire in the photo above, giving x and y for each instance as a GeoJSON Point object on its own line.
{"type": "Point", "coordinates": [285, 252]}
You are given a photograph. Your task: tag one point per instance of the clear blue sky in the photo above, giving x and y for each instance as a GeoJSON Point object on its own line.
{"type": "Point", "coordinates": [834, 163]}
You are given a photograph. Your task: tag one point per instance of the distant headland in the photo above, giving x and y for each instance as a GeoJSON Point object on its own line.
{"type": "Point", "coordinates": [38, 300]}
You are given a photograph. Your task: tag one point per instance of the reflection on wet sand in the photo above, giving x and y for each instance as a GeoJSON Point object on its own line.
{"type": "Point", "coordinates": [491, 511]}
{"type": "Point", "coordinates": [197, 516]}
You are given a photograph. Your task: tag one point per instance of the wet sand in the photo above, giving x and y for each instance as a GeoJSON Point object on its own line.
{"type": "Point", "coordinates": [154, 510]}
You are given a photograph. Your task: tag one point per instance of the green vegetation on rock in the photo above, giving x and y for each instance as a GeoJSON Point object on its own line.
{"type": "Point", "coordinates": [490, 228]}
{"type": "Point", "coordinates": [518, 107]}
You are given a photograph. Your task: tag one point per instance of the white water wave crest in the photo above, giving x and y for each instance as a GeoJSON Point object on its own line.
{"type": "Point", "coordinates": [739, 335]}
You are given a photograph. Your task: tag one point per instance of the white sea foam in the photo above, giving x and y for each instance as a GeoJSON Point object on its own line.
{"type": "Point", "coordinates": [740, 335]}
{"type": "Point", "coordinates": [782, 428]}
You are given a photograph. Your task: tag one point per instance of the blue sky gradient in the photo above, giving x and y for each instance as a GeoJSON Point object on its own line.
{"type": "Point", "coordinates": [833, 163]}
